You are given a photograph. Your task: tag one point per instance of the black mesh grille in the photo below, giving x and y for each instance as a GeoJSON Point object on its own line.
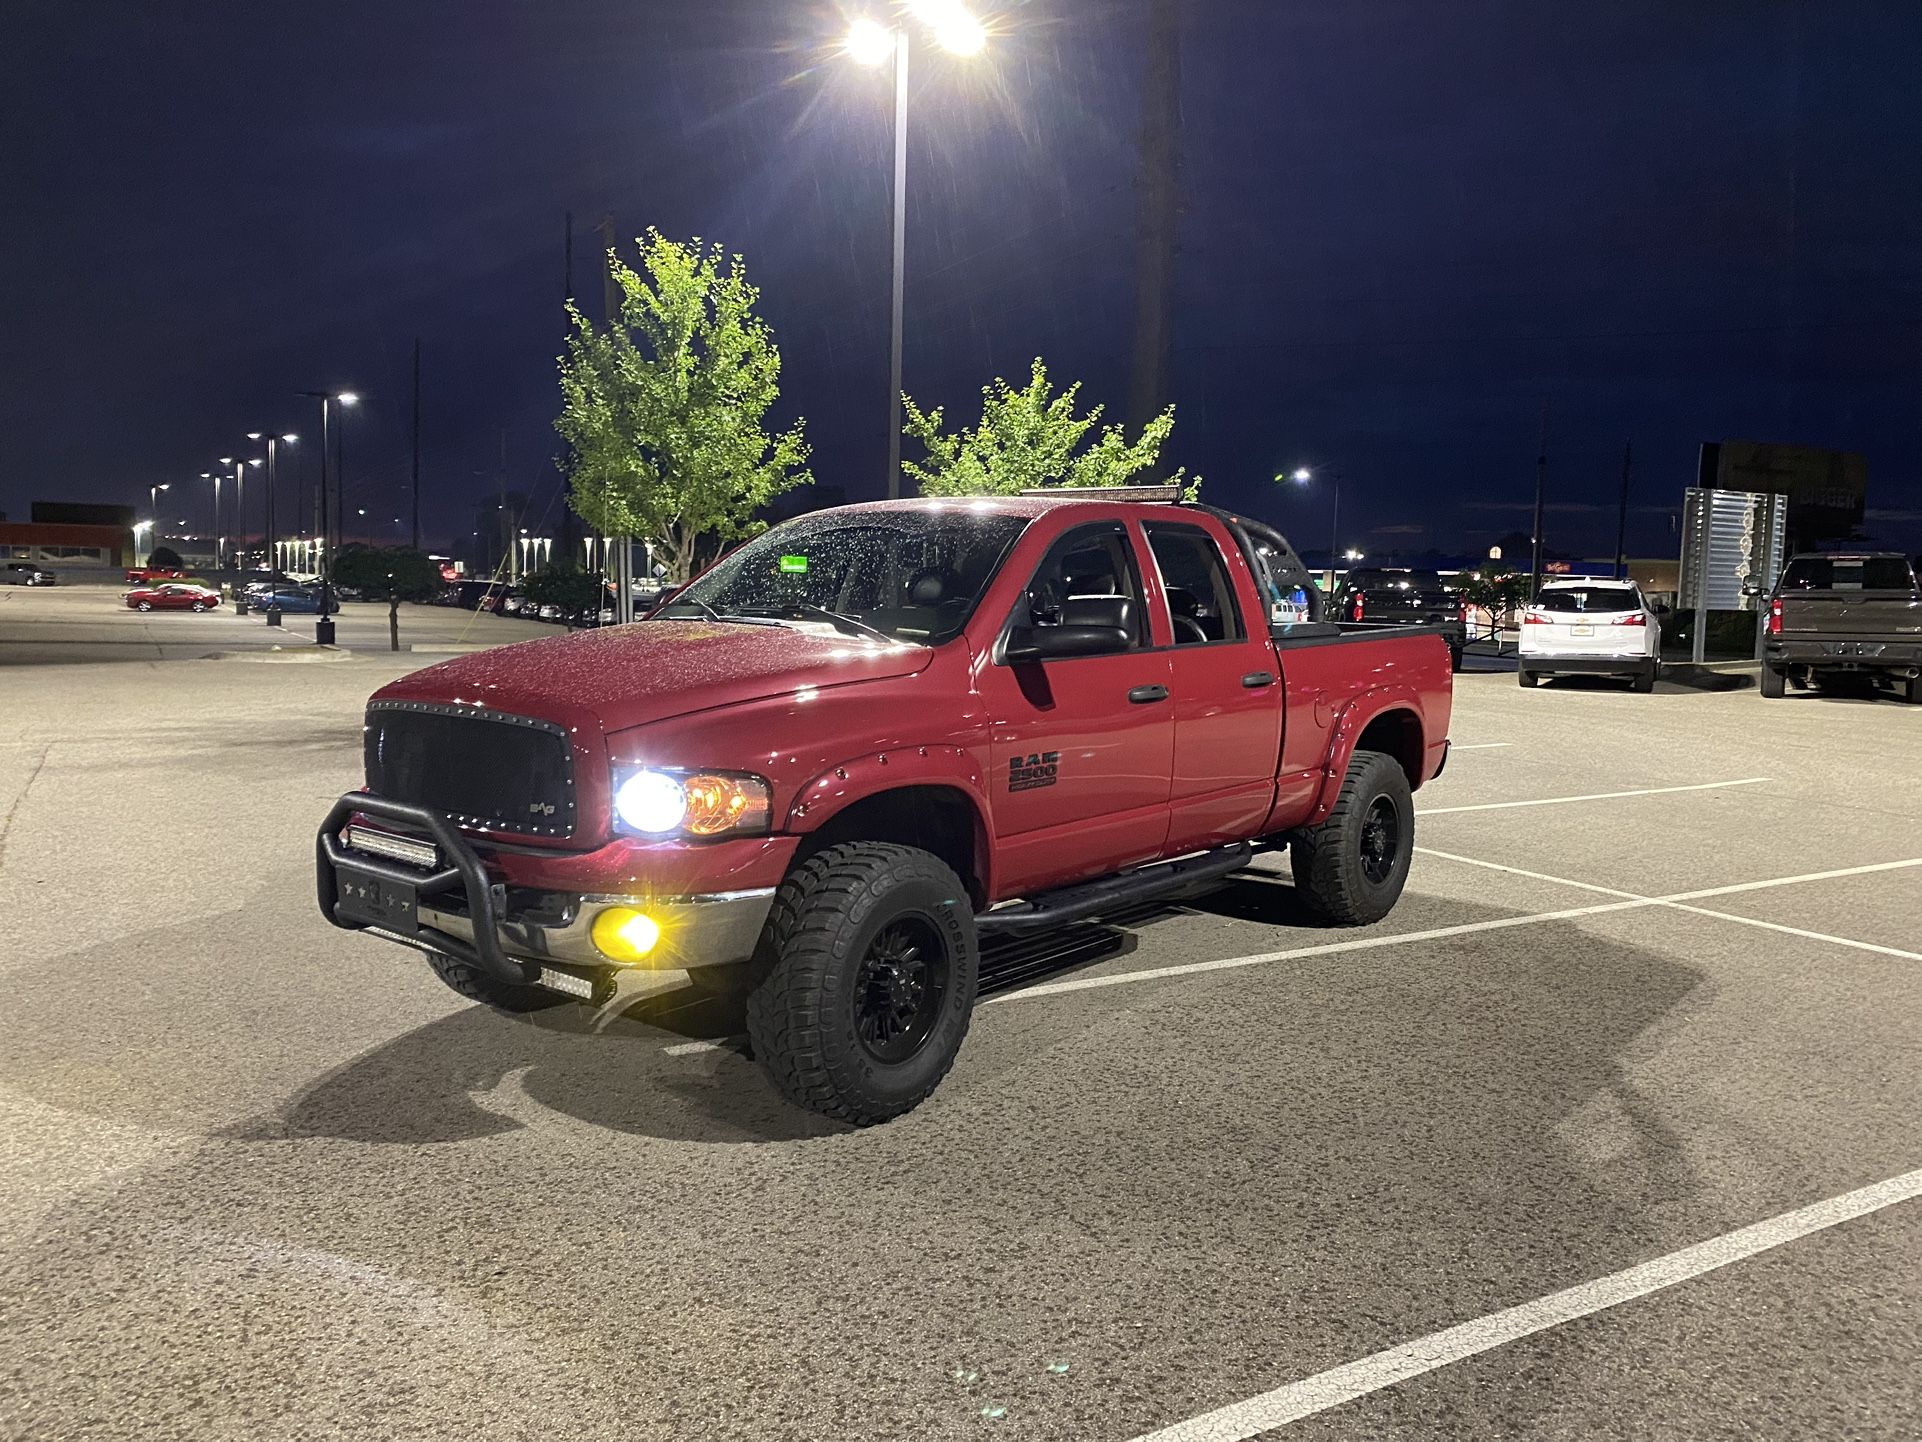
{"type": "Point", "coordinates": [505, 773]}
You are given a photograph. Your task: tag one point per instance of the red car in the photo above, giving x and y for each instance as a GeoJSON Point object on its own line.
{"type": "Point", "coordinates": [871, 737]}
{"type": "Point", "coordinates": [155, 573]}
{"type": "Point", "coordinates": [173, 596]}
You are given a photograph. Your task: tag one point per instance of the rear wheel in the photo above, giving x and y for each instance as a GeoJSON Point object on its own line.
{"type": "Point", "coordinates": [1912, 693]}
{"type": "Point", "coordinates": [871, 966]}
{"type": "Point", "coordinates": [1525, 676]}
{"type": "Point", "coordinates": [1350, 869]}
{"type": "Point", "coordinates": [1772, 681]}
{"type": "Point", "coordinates": [1644, 681]}
{"type": "Point", "coordinates": [144, 606]}
{"type": "Point", "coordinates": [476, 985]}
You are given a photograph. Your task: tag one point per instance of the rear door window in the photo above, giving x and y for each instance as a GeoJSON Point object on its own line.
{"type": "Point", "coordinates": [1201, 597]}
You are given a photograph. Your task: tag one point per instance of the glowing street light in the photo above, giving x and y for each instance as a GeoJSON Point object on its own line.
{"type": "Point", "coordinates": [869, 42]}
{"type": "Point", "coordinates": [153, 506]}
{"type": "Point", "coordinates": [324, 626]}
{"type": "Point", "coordinates": [272, 547]}
{"type": "Point", "coordinates": [1301, 475]}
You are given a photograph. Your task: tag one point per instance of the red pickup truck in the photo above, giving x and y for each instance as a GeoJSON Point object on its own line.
{"type": "Point", "coordinates": [871, 738]}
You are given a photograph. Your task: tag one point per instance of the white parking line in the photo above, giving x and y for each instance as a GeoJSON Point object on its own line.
{"type": "Point", "coordinates": [1679, 900]}
{"type": "Point", "coordinates": [1318, 1393]}
{"type": "Point", "coordinates": [1480, 746]}
{"type": "Point", "coordinates": [1597, 796]}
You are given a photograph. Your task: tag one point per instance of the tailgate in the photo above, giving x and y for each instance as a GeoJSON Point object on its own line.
{"type": "Point", "coordinates": [1891, 615]}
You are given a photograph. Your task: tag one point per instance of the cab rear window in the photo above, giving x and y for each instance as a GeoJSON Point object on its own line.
{"type": "Point", "coordinates": [1845, 573]}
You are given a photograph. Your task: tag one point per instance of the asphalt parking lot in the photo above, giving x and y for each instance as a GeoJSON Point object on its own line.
{"type": "Point", "coordinates": [1216, 1173]}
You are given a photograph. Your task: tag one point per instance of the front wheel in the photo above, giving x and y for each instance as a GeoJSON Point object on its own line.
{"type": "Point", "coordinates": [871, 968]}
{"type": "Point", "coordinates": [1350, 869]}
{"type": "Point", "coordinates": [200, 605]}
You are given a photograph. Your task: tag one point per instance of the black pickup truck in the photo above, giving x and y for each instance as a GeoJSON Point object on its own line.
{"type": "Point", "coordinates": [1858, 613]}
{"type": "Point", "coordinates": [1381, 596]}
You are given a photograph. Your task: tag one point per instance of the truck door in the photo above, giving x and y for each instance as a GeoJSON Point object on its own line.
{"type": "Point", "coordinates": [1081, 746]}
{"type": "Point", "coordinates": [1227, 693]}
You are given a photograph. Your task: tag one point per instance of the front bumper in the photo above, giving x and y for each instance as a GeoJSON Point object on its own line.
{"type": "Point", "coordinates": [513, 934]}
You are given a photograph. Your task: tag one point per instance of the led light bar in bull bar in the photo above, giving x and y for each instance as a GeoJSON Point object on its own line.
{"type": "Point", "coordinates": [423, 854]}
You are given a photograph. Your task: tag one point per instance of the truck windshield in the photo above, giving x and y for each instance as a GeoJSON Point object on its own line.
{"type": "Point", "coordinates": [910, 575]}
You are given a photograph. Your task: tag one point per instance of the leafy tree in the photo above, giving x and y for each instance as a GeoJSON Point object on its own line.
{"type": "Point", "coordinates": [416, 577]}
{"type": "Point", "coordinates": [1028, 437]}
{"type": "Point", "coordinates": [568, 587]}
{"type": "Point", "coordinates": [165, 557]}
{"type": "Point", "coordinates": [1496, 586]}
{"type": "Point", "coordinates": [665, 412]}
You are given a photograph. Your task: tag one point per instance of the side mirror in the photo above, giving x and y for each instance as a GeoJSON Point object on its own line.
{"type": "Point", "coordinates": [1089, 626]}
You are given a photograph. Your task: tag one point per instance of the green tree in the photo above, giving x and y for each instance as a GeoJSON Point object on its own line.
{"type": "Point", "coordinates": [416, 577]}
{"type": "Point", "coordinates": [568, 587]}
{"type": "Point", "coordinates": [165, 557]}
{"type": "Point", "coordinates": [1028, 437]}
{"type": "Point", "coordinates": [665, 412]}
{"type": "Point", "coordinates": [1497, 586]}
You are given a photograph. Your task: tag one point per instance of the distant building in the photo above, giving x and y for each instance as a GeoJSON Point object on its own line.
{"type": "Point", "coordinates": [78, 548]}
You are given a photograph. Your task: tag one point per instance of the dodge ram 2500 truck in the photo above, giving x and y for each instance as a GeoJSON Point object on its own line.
{"type": "Point", "coordinates": [871, 737]}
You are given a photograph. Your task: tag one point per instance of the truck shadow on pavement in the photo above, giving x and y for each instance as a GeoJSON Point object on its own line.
{"type": "Point", "coordinates": [1248, 1173]}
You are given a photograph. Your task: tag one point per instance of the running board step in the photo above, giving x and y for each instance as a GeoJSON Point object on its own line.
{"type": "Point", "coordinates": [1127, 888]}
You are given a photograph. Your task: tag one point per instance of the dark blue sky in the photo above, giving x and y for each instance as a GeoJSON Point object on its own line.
{"type": "Point", "coordinates": [1404, 225]}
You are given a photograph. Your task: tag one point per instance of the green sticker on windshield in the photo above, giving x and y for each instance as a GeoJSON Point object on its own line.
{"type": "Point", "coordinates": [794, 565]}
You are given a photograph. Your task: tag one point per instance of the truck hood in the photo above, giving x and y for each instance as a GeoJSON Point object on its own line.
{"type": "Point", "coordinates": [623, 676]}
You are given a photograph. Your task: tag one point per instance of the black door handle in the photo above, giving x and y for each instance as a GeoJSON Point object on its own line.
{"type": "Point", "coordinates": [1143, 694]}
{"type": "Point", "coordinates": [1255, 680]}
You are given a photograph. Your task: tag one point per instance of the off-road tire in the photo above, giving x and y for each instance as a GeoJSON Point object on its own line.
{"type": "Point", "coordinates": [802, 1017]}
{"type": "Point", "coordinates": [476, 985]}
{"type": "Point", "coordinates": [1526, 678]}
{"type": "Point", "coordinates": [1644, 681]}
{"type": "Point", "coordinates": [1773, 682]}
{"type": "Point", "coordinates": [1328, 860]}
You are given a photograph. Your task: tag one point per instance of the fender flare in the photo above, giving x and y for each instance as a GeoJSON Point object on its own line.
{"type": "Point", "coordinates": [845, 784]}
{"type": "Point", "coordinates": [1356, 717]}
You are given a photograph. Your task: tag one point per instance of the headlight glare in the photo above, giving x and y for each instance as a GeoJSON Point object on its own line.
{"type": "Point", "coordinates": [690, 803]}
{"type": "Point", "coordinates": [650, 802]}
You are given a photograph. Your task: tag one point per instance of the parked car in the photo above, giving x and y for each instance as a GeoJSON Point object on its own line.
{"type": "Point", "coordinates": [1382, 596]}
{"type": "Point", "coordinates": [1583, 627]}
{"type": "Point", "coordinates": [866, 739]}
{"type": "Point", "coordinates": [509, 602]}
{"type": "Point", "coordinates": [1838, 614]}
{"type": "Point", "coordinates": [27, 573]}
{"type": "Point", "coordinates": [141, 575]}
{"type": "Point", "coordinates": [173, 596]}
{"type": "Point", "coordinates": [301, 599]}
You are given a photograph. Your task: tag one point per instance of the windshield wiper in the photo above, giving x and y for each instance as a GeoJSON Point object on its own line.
{"type": "Point", "coordinates": [834, 618]}
{"type": "Point", "coordinates": [708, 613]}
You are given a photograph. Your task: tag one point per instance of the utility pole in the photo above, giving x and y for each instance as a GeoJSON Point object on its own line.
{"type": "Point", "coordinates": [1160, 156]}
{"type": "Point", "coordinates": [1621, 522]}
{"type": "Point", "coordinates": [620, 571]}
{"type": "Point", "coordinates": [1541, 484]}
{"type": "Point", "coordinates": [567, 262]}
{"type": "Point", "coordinates": [898, 285]}
{"type": "Point", "coordinates": [416, 443]}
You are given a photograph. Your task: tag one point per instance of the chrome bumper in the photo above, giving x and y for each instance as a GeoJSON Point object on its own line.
{"type": "Point", "coordinates": [712, 929]}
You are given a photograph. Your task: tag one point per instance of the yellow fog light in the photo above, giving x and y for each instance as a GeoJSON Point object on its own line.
{"type": "Point", "coordinates": [623, 934]}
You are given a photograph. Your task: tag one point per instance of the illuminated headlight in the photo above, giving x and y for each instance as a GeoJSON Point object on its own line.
{"type": "Point", "coordinates": [690, 803]}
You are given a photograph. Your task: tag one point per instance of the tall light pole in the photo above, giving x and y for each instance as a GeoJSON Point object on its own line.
{"type": "Point", "coordinates": [324, 626]}
{"type": "Point", "coordinates": [220, 539]}
{"type": "Point", "coordinates": [272, 539]}
{"type": "Point", "coordinates": [1301, 476]}
{"type": "Point", "coordinates": [870, 42]}
{"type": "Point", "coordinates": [153, 505]}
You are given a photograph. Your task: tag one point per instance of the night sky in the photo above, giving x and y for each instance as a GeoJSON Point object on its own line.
{"type": "Point", "coordinates": [1405, 225]}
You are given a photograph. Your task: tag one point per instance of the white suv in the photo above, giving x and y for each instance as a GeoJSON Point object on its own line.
{"type": "Point", "coordinates": [1591, 627]}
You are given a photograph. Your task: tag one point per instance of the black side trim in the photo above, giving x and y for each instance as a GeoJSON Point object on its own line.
{"type": "Point", "coordinates": [1126, 888]}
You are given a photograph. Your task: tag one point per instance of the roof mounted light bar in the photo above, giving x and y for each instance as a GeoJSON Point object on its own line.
{"type": "Point", "coordinates": [1106, 493]}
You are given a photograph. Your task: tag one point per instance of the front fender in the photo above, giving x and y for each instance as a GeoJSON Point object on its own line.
{"type": "Point", "coordinates": [1356, 717]}
{"type": "Point", "coordinates": [847, 782]}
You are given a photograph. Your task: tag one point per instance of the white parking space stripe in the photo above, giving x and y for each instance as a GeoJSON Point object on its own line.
{"type": "Point", "coordinates": [1480, 746]}
{"type": "Point", "coordinates": [1630, 901]}
{"type": "Point", "coordinates": [1332, 1388]}
{"type": "Point", "coordinates": [1678, 902]}
{"type": "Point", "coordinates": [1597, 796]}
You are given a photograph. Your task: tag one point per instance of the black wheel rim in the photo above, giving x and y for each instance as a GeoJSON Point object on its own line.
{"type": "Point", "coordinates": [899, 989]}
{"type": "Point", "coordinates": [1380, 839]}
